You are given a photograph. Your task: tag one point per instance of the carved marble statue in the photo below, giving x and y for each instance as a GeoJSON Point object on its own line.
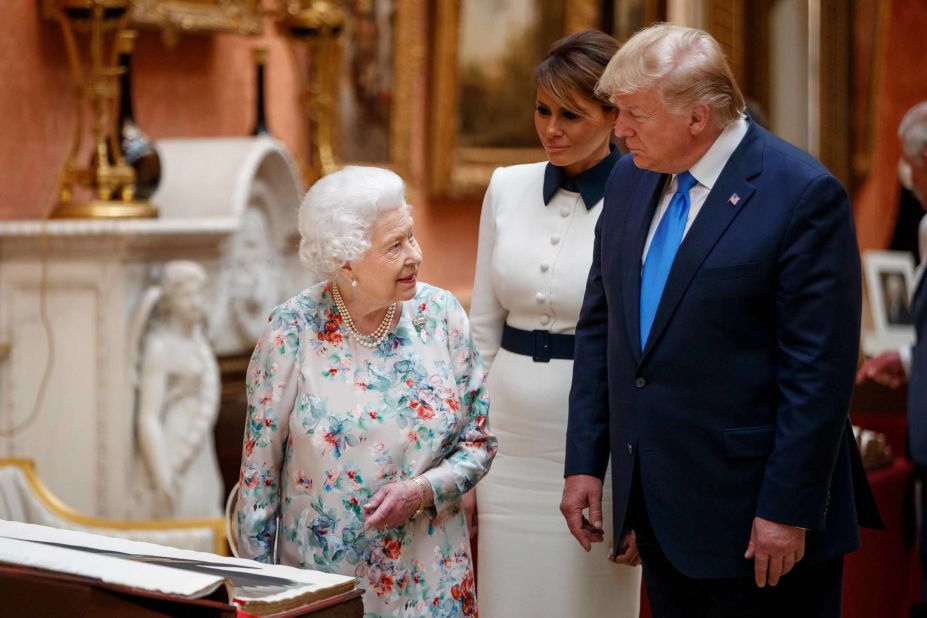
{"type": "Point", "coordinates": [248, 285]}
{"type": "Point", "coordinates": [176, 473]}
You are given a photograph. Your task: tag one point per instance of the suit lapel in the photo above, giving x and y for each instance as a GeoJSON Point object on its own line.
{"type": "Point", "coordinates": [716, 215]}
{"type": "Point", "coordinates": [644, 204]}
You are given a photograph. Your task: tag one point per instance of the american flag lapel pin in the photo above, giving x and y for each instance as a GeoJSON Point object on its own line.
{"type": "Point", "coordinates": [733, 199]}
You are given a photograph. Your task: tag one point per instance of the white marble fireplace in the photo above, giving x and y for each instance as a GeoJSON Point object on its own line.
{"type": "Point", "coordinates": [68, 290]}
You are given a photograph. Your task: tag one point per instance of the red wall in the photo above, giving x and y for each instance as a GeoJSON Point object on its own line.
{"type": "Point", "coordinates": [204, 86]}
{"type": "Point", "coordinates": [900, 74]}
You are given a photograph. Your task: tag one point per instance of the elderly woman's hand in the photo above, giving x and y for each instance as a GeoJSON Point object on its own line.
{"type": "Point", "coordinates": [395, 503]}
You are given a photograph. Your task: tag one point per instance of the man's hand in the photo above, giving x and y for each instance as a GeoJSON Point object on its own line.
{"type": "Point", "coordinates": [885, 369]}
{"type": "Point", "coordinates": [628, 548]}
{"type": "Point", "coordinates": [775, 549]}
{"type": "Point", "coordinates": [582, 491]}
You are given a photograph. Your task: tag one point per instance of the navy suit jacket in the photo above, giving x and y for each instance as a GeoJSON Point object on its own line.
{"type": "Point", "coordinates": [917, 386]}
{"type": "Point", "coordinates": [737, 406]}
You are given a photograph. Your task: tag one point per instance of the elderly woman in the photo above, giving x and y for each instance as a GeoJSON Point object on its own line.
{"type": "Point", "coordinates": [366, 412]}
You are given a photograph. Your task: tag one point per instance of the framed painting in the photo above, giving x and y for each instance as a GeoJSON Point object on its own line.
{"type": "Point", "coordinates": [364, 75]}
{"type": "Point", "coordinates": [622, 18]}
{"type": "Point", "coordinates": [381, 56]}
{"type": "Point", "coordinates": [482, 94]}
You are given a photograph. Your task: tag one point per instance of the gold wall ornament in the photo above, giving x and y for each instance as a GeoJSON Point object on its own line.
{"type": "Point", "coordinates": [107, 177]}
{"type": "Point", "coordinates": [178, 16]}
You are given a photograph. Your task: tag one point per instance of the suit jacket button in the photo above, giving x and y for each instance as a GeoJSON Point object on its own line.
{"type": "Point", "coordinates": [630, 449]}
{"type": "Point", "coordinates": [640, 382]}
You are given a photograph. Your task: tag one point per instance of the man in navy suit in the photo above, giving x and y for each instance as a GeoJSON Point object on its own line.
{"type": "Point", "coordinates": [894, 367]}
{"type": "Point", "coordinates": [716, 350]}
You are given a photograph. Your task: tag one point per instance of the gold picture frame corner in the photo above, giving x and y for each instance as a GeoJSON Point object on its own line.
{"type": "Point", "coordinates": [175, 17]}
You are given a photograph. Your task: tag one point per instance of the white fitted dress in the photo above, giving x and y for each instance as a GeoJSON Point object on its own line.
{"type": "Point", "coordinates": [532, 265]}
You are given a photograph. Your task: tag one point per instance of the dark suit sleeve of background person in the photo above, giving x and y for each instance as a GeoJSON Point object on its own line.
{"type": "Point", "coordinates": [818, 305]}
{"type": "Point", "coordinates": [587, 448]}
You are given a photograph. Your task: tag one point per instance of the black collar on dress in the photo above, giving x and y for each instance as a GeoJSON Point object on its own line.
{"type": "Point", "coordinates": [589, 184]}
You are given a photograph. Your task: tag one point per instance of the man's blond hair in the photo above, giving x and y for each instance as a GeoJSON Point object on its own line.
{"type": "Point", "coordinates": [686, 64]}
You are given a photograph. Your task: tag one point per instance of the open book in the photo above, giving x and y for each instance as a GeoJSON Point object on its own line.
{"type": "Point", "coordinates": [256, 588]}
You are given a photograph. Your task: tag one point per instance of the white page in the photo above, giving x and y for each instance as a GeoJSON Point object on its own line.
{"type": "Point", "coordinates": [312, 580]}
{"type": "Point", "coordinates": [109, 570]}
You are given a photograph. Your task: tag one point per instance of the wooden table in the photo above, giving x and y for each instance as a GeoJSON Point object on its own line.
{"type": "Point", "coordinates": [36, 592]}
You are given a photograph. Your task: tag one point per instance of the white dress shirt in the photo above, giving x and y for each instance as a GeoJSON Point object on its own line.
{"type": "Point", "coordinates": [906, 352]}
{"type": "Point", "coordinates": [705, 171]}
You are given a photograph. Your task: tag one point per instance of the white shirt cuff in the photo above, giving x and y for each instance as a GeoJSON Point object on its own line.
{"type": "Point", "coordinates": [904, 354]}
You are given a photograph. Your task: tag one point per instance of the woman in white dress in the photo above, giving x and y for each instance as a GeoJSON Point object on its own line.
{"type": "Point", "coordinates": [535, 249]}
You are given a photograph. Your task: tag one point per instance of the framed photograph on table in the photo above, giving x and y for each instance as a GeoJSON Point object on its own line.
{"type": "Point", "coordinates": [889, 279]}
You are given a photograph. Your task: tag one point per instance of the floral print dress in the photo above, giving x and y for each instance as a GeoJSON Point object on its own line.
{"type": "Point", "coordinates": [329, 422]}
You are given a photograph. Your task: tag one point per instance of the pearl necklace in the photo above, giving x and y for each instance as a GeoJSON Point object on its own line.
{"type": "Point", "coordinates": [375, 338]}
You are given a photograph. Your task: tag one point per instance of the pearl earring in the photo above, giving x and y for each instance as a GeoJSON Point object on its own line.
{"type": "Point", "coordinates": [353, 283]}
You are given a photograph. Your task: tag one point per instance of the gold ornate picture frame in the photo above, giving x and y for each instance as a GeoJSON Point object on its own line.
{"type": "Point", "coordinates": [367, 82]}
{"type": "Point", "coordinates": [365, 71]}
{"type": "Point", "coordinates": [178, 16]}
{"type": "Point", "coordinates": [459, 168]}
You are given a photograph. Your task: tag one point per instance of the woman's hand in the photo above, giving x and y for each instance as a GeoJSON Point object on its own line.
{"type": "Point", "coordinates": [394, 504]}
{"type": "Point", "coordinates": [469, 507]}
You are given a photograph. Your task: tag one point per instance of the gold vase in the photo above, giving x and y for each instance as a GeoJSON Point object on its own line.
{"type": "Point", "coordinates": [107, 180]}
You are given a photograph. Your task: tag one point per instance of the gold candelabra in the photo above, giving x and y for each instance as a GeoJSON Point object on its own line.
{"type": "Point", "coordinates": [105, 186]}
{"type": "Point", "coordinates": [318, 25]}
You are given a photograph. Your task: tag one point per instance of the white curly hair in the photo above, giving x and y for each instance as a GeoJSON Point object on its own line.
{"type": "Point", "coordinates": [912, 131]}
{"type": "Point", "coordinates": [338, 213]}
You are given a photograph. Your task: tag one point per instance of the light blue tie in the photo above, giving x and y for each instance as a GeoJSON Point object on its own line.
{"type": "Point", "coordinates": [662, 252]}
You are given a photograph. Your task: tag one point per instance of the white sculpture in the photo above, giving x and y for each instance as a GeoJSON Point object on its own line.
{"type": "Point", "coordinates": [176, 472]}
{"type": "Point", "coordinates": [248, 285]}
{"type": "Point", "coordinates": [93, 276]}
{"type": "Point", "coordinates": [257, 266]}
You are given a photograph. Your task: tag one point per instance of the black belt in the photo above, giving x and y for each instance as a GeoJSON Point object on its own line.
{"type": "Point", "coordinates": [541, 345]}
